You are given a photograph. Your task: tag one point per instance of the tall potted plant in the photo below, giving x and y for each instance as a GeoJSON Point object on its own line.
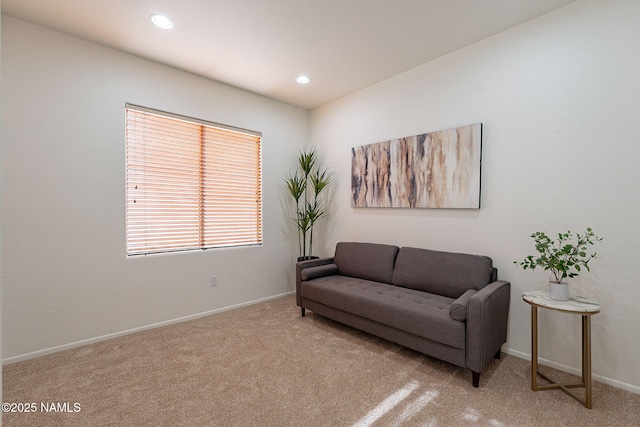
{"type": "Point", "coordinates": [307, 187]}
{"type": "Point", "coordinates": [563, 257]}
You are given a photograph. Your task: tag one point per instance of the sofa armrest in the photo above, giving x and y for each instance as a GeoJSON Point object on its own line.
{"type": "Point", "coordinates": [488, 312]}
{"type": "Point", "coordinates": [301, 265]}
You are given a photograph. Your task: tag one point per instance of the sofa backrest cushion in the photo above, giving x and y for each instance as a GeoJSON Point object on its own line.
{"type": "Point", "coordinates": [442, 273]}
{"type": "Point", "coordinates": [369, 261]}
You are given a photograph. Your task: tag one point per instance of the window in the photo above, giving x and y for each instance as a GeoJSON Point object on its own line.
{"type": "Point", "coordinates": [190, 184]}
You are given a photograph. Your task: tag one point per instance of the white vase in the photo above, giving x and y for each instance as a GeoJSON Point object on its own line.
{"type": "Point", "coordinates": [559, 291]}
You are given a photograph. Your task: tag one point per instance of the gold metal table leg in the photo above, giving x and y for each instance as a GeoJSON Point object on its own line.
{"type": "Point", "coordinates": [534, 348]}
{"type": "Point", "coordinates": [586, 359]}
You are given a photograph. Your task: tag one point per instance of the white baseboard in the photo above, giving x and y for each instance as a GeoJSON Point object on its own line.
{"type": "Point", "coordinates": [575, 371]}
{"type": "Point", "coordinates": [75, 344]}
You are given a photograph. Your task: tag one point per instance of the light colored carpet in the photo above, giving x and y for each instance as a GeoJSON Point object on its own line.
{"type": "Point", "coordinates": [264, 365]}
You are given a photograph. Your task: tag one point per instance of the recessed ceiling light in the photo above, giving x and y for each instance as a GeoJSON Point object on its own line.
{"type": "Point", "coordinates": [303, 80]}
{"type": "Point", "coordinates": [162, 21]}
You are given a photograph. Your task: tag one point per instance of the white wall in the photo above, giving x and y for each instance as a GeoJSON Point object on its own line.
{"type": "Point", "coordinates": [65, 275]}
{"type": "Point", "coordinates": [560, 100]}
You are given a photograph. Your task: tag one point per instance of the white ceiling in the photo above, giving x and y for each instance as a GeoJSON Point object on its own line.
{"type": "Point", "coordinates": [262, 45]}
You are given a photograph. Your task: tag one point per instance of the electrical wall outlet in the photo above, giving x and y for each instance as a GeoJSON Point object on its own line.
{"type": "Point", "coordinates": [214, 280]}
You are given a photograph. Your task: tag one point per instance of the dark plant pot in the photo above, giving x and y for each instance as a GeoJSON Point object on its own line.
{"type": "Point", "coordinates": [307, 258]}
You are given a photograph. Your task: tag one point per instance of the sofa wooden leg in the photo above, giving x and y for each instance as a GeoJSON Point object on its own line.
{"type": "Point", "coordinates": [302, 308]}
{"type": "Point", "coordinates": [476, 379]}
{"type": "Point", "coordinates": [497, 355]}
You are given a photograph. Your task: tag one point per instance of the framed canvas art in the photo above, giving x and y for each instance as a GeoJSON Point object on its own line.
{"type": "Point", "coordinates": [432, 170]}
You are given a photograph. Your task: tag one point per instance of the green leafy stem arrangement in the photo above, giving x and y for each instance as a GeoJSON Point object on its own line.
{"type": "Point", "coordinates": [306, 187]}
{"type": "Point", "coordinates": [564, 257]}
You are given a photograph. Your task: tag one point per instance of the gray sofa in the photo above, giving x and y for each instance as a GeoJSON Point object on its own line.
{"type": "Point", "coordinates": [446, 305]}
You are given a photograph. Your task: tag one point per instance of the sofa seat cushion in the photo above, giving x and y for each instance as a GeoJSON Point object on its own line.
{"type": "Point", "coordinates": [441, 273]}
{"type": "Point", "coordinates": [415, 312]}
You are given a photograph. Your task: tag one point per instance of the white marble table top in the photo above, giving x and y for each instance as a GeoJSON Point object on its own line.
{"type": "Point", "coordinates": [576, 304]}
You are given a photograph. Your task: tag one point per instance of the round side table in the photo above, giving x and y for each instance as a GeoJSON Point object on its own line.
{"type": "Point", "coordinates": [575, 305]}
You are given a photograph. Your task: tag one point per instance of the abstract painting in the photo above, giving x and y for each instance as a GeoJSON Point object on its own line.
{"type": "Point", "coordinates": [432, 170]}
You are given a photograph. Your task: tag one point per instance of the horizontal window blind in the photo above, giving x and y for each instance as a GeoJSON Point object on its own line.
{"type": "Point", "coordinates": [190, 184]}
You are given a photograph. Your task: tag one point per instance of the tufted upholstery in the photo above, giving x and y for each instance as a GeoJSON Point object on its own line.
{"type": "Point", "coordinates": [447, 305]}
{"type": "Point", "coordinates": [419, 313]}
